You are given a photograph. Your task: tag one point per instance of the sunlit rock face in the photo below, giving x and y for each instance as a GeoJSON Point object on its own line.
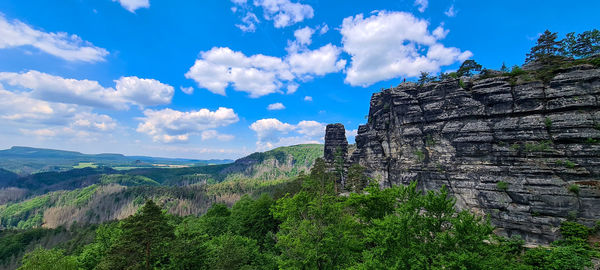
{"type": "Point", "coordinates": [524, 153]}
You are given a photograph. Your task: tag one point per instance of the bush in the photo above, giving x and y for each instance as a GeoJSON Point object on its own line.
{"type": "Point", "coordinates": [574, 188]}
{"type": "Point", "coordinates": [502, 185]}
{"type": "Point", "coordinates": [570, 229]}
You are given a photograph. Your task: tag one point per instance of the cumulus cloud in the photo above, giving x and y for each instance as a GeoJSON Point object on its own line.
{"type": "Point", "coordinates": [128, 90]}
{"type": "Point", "coordinates": [388, 45]}
{"type": "Point", "coordinates": [273, 133]}
{"type": "Point", "coordinates": [275, 106]}
{"type": "Point", "coordinates": [168, 125]}
{"type": "Point", "coordinates": [304, 35]}
{"type": "Point", "coordinates": [283, 13]}
{"type": "Point", "coordinates": [292, 88]}
{"type": "Point", "coordinates": [316, 62]}
{"type": "Point", "coordinates": [132, 5]}
{"type": "Point", "coordinates": [48, 119]}
{"type": "Point", "coordinates": [422, 5]}
{"type": "Point", "coordinates": [249, 22]}
{"type": "Point", "coordinates": [260, 75]}
{"type": "Point", "coordinates": [308, 98]}
{"type": "Point", "coordinates": [68, 47]}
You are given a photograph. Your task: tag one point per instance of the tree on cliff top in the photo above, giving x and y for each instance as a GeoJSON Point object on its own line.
{"type": "Point", "coordinates": [468, 67]}
{"type": "Point", "coordinates": [582, 45]}
{"type": "Point", "coordinates": [546, 49]}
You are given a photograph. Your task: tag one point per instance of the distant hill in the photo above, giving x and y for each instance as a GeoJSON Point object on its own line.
{"type": "Point", "coordinates": [94, 195]}
{"type": "Point", "coordinates": [27, 160]}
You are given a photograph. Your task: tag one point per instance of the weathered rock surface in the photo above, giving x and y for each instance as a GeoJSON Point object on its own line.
{"type": "Point", "coordinates": [540, 139]}
{"type": "Point", "coordinates": [335, 142]}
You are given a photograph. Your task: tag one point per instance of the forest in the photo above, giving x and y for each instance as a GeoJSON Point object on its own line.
{"type": "Point", "coordinates": [313, 227]}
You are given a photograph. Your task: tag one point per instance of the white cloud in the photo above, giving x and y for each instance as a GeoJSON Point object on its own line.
{"type": "Point", "coordinates": [451, 12]}
{"type": "Point", "coordinates": [169, 125]}
{"type": "Point", "coordinates": [128, 90]}
{"type": "Point", "coordinates": [316, 62]}
{"type": "Point", "coordinates": [283, 12]}
{"type": "Point", "coordinates": [144, 92]}
{"type": "Point", "coordinates": [323, 29]}
{"type": "Point", "coordinates": [439, 32]}
{"type": "Point", "coordinates": [250, 20]}
{"type": "Point", "coordinates": [46, 119]}
{"type": "Point", "coordinates": [422, 5]}
{"type": "Point", "coordinates": [272, 133]}
{"type": "Point", "coordinates": [351, 134]}
{"type": "Point", "coordinates": [68, 47]}
{"type": "Point", "coordinates": [213, 134]}
{"type": "Point", "coordinates": [303, 35]}
{"type": "Point", "coordinates": [132, 5]}
{"type": "Point", "coordinates": [311, 128]}
{"type": "Point", "coordinates": [292, 88]}
{"type": "Point", "coordinates": [308, 98]}
{"type": "Point", "coordinates": [388, 45]}
{"type": "Point", "coordinates": [187, 90]}
{"type": "Point", "coordinates": [275, 106]}
{"type": "Point", "coordinates": [260, 75]}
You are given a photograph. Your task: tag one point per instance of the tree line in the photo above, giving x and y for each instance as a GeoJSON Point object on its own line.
{"type": "Point", "coordinates": [314, 227]}
{"type": "Point", "coordinates": [548, 53]}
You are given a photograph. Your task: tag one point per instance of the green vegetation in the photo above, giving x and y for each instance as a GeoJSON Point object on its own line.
{"type": "Point", "coordinates": [538, 146]}
{"type": "Point", "coordinates": [420, 155]}
{"type": "Point", "coordinates": [501, 185]}
{"type": "Point", "coordinates": [315, 228]}
{"type": "Point", "coordinates": [548, 123]}
{"type": "Point", "coordinates": [128, 180]}
{"type": "Point", "coordinates": [574, 188]}
{"type": "Point", "coordinates": [425, 78]}
{"type": "Point", "coordinates": [467, 68]}
{"type": "Point", "coordinates": [85, 165]}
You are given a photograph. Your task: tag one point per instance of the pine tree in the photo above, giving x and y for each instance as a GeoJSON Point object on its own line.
{"type": "Point", "coordinates": [357, 180]}
{"type": "Point", "coordinates": [504, 68]}
{"type": "Point", "coordinates": [582, 45]}
{"type": "Point", "coordinates": [143, 242]}
{"type": "Point", "coordinates": [546, 49]}
{"type": "Point", "coordinates": [467, 68]}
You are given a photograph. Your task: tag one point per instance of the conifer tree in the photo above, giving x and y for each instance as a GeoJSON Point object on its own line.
{"type": "Point", "coordinates": [546, 49]}
{"type": "Point", "coordinates": [468, 67]}
{"type": "Point", "coordinates": [143, 242]}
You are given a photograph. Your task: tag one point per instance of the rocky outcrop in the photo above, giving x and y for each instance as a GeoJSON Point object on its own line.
{"type": "Point", "coordinates": [336, 143]}
{"type": "Point", "coordinates": [526, 154]}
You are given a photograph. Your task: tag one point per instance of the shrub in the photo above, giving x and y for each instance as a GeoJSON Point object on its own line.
{"type": "Point", "coordinates": [548, 122]}
{"type": "Point", "coordinates": [569, 164]}
{"type": "Point", "coordinates": [502, 185]}
{"type": "Point", "coordinates": [574, 188]}
{"type": "Point", "coordinates": [570, 229]}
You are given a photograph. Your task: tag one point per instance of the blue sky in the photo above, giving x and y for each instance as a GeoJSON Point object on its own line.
{"type": "Point", "coordinates": [221, 79]}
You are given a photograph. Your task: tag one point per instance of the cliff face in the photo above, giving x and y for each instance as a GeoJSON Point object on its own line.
{"type": "Point", "coordinates": [526, 154]}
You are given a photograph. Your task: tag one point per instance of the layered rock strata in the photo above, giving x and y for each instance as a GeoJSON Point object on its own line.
{"type": "Point", "coordinates": [526, 154]}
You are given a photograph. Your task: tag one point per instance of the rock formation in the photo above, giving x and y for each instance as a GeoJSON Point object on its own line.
{"type": "Point", "coordinates": [525, 153]}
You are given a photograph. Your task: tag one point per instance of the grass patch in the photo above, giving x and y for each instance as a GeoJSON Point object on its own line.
{"type": "Point", "coordinates": [538, 147]}
{"type": "Point", "coordinates": [82, 165]}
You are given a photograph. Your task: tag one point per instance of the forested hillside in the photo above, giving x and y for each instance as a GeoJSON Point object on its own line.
{"type": "Point", "coordinates": [312, 227]}
{"type": "Point", "coordinates": [96, 195]}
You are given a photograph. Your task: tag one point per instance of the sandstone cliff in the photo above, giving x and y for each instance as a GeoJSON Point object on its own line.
{"type": "Point", "coordinates": [525, 153]}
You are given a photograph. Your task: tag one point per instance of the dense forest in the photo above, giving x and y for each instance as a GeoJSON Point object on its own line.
{"type": "Point", "coordinates": [311, 227]}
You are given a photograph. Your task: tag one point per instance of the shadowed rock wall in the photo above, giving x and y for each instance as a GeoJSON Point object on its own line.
{"type": "Point", "coordinates": [515, 152]}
